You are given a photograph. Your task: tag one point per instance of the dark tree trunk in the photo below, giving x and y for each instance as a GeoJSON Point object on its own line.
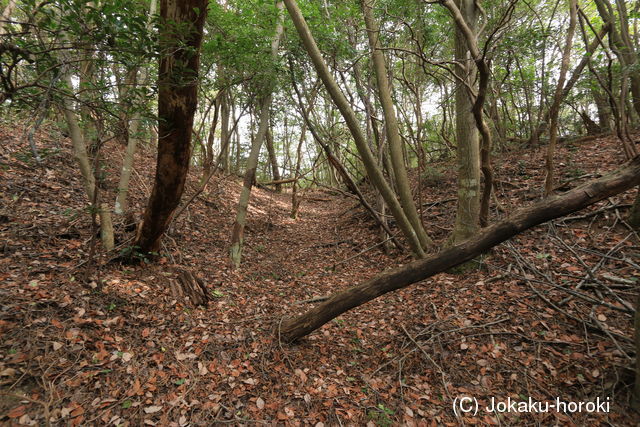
{"type": "Point", "coordinates": [523, 219]}
{"type": "Point", "coordinates": [177, 99]}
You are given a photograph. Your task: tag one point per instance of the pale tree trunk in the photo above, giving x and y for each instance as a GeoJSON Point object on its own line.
{"type": "Point", "coordinates": [153, 135]}
{"type": "Point", "coordinates": [236, 144]}
{"type": "Point", "coordinates": [334, 162]}
{"type": "Point", "coordinates": [468, 144]}
{"type": "Point", "coordinates": [392, 129]}
{"type": "Point", "coordinates": [224, 133]}
{"type": "Point", "coordinates": [604, 113]}
{"type": "Point", "coordinates": [557, 99]}
{"type": "Point", "coordinates": [295, 200]}
{"type": "Point", "coordinates": [86, 170]}
{"type": "Point", "coordinates": [6, 14]}
{"type": "Point", "coordinates": [80, 151]}
{"type": "Point", "coordinates": [237, 235]}
{"type": "Point", "coordinates": [133, 127]}
{"type": "Point", "coordinates": [478, 105]}
{"type": "Point", "coordinates": [127, 166]}
{"type": "Point", "coordinates": [177, 100]}
{"type": "Point", "coordinates": [341, 102]}
{"type": "Point", "coordinates": [622, 43]}
{"type": "Point", "coordinates": [575, 75]}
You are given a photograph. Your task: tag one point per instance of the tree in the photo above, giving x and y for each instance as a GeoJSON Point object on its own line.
{"type": "Point", "coordinates": [391, 126]}
{"type": "Point", "coordinates": [467, 141]}
{"type": "Point", "coordinates": [133, 125]}
{"type": "Point", "coordinates": [266, 88]}
{"type": "Point", "coordinates": [523, 219]}
{"type": "Point", "coordinates": [374, 173]}
{"type": "Point", "coordinates": [557, 98]}
{"type": "Point", "coordinates": [180, 39]}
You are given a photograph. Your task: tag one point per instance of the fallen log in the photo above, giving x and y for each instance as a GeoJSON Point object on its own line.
{"type": "Point", "coordinates": [280, 181]}
{"type": "Point", "coordinates": [547, 209]}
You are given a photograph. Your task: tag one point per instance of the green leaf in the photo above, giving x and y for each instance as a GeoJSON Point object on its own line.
{"type": "Point", "coordinates": [217, 294]}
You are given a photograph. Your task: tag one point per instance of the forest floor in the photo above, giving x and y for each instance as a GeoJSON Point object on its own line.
{"type": "Point", "coordinates": [106, 343]}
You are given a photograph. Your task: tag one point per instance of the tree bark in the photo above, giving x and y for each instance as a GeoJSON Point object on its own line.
{"type": "Point", "coordinates": [478, 106]}
{"type": "Point", "coordinates": [273, 160]}
{"type": "Point", "coordinates": [237, 234]}
{"type": "Point", "coordinates": [467, 221]}
{"type": "Point", "coordinates": [295, 200]}
{"type": "Point", "coordinates": [86, 170]}
{"type": "Point", "coordinates": [575, 75]}
{"type": "Point", "coordinates": [208, 158]}
{"type": "Point", "coordinates": [6, 14]}
{"type": "Point", "coordinates": [224, 133]}
{"type": "Point", "coordinates": [622, 44]}
{"type": "Point", "coordinates": [177, 100]}
{"type": "Point", "coordinates": [392, 129]}
{"type": "Point", "coordinates": [635, 398]}
{"type": "Point", "coordinates": [547, 209]}
{"type": "Point", "coordinates": [557, 99]}
{"type": "Point", "coordinates": [375, 174]}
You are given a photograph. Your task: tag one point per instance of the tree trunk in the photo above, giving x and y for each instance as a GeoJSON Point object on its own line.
{"type": "Point", "coordinates": [133, 126]}
{"type": "Point", "coordinates": [177, 100]}
{"type": "Point", "coordinates": [635, 398]}
{"type": "Point", "coordinates": [478, 106]}
{"type": "Point", "coordinates": [575, 75]}
{"type": "Point", "coordinates": [127, 165]}
{"type": "Point", "coordinates": [295, 200]}
{"type": "Point", "coordinates": [557, 99]}
{"type": "Point", "coordinates": [467, 142]}
{"type": "Point", "coordinates": [237, 235]}
{"type": "Point", "coordinates": [6, 14]}
{"type": "Point", "coordinates": [86, 170]}
{"type": "Point", "coordinates": [224, 133]}
{"type": "Point", "coordinates": [604, 112]}
{"type": "Point", "coordinates": [207, 169]}
{"type": "Point", "coordinates": [391, 126]}
{"type": "Point", "coordinates": [552, 207]}
{"type": "Point", "coordinates": [273, 160]}
{"type": "Point", "coordinates": [375, 174]}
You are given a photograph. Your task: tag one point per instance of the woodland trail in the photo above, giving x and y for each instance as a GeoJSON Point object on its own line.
{"type": "Point", "coordinates": [133, 352]}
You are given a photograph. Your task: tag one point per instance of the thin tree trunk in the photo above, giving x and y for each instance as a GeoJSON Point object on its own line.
{"type": "Point", "coordinates": [392, 129]}
{"type": "Point", "coordinates": [127, 166]}
{"type": "Point", "coordinates": [334, 162]}
{"type": "Point", "coordinates": [6, 14]}
{"type": "Point", "coordinates": [552, 207]}
{"type": "Point", "coordinates": [132, 130]}
{"type": "Point", "coordinates": [295, 200]}
{"type": "Point", "coordinates": [273, 160]}
{"type": "Point", "coordinates": [177, 100]}
{"type": "Point", "coordinates": [86, 170]}
{"type": "Point", "coordinates": [207, 169]}
{"type": "Point", "coordinates": [237, 235]}
{"type": "Point", "coordinates": [575, 75]}
{"type": "Point", "coordinates": [375, 174]}
{"type": "Point", "coordinates": [557, 99]}
{"type": "Point", "coordinates": [224, 133]}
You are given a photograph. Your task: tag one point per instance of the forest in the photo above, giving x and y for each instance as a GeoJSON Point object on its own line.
{"type": "Point", "coordinates": [319, 212]}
